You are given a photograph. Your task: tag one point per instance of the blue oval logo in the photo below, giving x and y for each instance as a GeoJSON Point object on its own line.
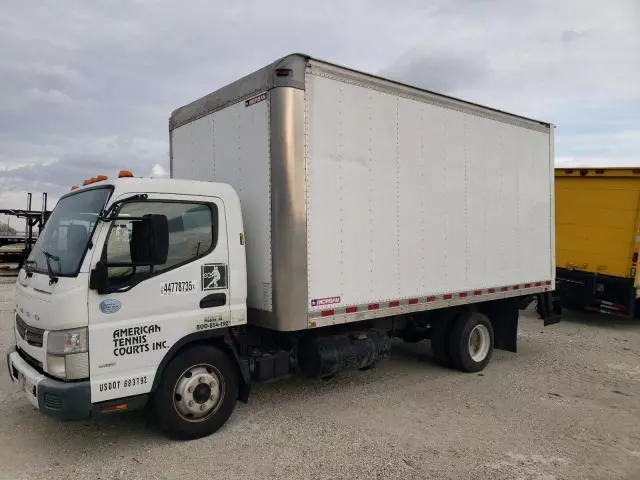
{"type": "Point", "coordinates": [110, 306]}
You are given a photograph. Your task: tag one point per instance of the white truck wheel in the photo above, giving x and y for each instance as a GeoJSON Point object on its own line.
{"type": "Point", "coordinates": [197, 394]}
{"type": "Point", "coordinates": [471, 341]}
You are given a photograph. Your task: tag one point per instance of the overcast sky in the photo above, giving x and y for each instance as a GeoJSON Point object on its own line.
{"type": "Point", "coordinates": [87, 87]}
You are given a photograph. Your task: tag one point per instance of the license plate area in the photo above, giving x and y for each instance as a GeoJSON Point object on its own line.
{"type": "Point", "coordinates": [26, 385]}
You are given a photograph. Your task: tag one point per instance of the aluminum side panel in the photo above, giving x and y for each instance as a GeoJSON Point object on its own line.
{"type": "Point", "coordinates": [406, 197]}
{"type": "Point", "coordinates": [192, 155]}
{"type": "Point", "coordinates": [232, 146]}
{"type": "Point", "coordinates": [289, 210]}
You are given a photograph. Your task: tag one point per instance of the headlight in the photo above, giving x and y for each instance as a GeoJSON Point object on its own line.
{"type": "Point", "coordinates": [69, 367]}
{"type": "Point", "coordinates": [67, 353]}
{"type": "Point", "coordinates": [64, 342]}
{"type": "Point", "coordinates": [56, 366]}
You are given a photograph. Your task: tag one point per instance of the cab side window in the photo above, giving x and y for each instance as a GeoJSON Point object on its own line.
{"type": "Point", "coordinates": [193, 233]}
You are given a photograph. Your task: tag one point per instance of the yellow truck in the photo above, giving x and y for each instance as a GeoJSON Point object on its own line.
{"type": "Point", "coordinates": [598, 238]}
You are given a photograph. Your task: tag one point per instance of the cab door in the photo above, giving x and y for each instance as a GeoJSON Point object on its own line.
{"type": "Point", "coordinates": [149, 309]}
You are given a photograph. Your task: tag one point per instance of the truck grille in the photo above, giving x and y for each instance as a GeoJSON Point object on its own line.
{"type": "Point", "coordinates": [31, 335]}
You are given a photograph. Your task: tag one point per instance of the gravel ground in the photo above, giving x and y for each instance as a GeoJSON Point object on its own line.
{"type": "Point", "coordinates": [566, 406]}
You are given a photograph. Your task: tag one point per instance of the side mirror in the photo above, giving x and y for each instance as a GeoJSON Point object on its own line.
{"type": "Point", "coordinates": [149, 243]}
{"type": "Point", "coordinates": [99, 278]}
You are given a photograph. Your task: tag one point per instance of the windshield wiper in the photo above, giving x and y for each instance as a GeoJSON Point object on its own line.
{"type": "Point", "coordinates": [48, 256]}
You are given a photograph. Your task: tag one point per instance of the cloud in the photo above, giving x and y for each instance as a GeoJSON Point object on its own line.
{"type": "Point", "coordinates": [62, 162]}
{"type": "Point", "coordinates": [87, 87]}
{"type": "Point", "coordinates": [158, 171]}
{"type": "Point", "coordinates": [440, 71]}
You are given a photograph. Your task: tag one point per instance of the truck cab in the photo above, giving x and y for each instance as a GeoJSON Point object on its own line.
{"type": "Point", "coordinates": [124, 274]}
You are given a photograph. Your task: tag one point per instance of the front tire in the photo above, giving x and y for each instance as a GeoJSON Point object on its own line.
{"type": "Point", "coordinates": [197, 394]}
{"type": "Point", "coordinates": [471, 342]}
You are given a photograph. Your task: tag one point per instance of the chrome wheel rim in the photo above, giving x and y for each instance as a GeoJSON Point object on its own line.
{"type": "Point", "coordinates": [479, 343]}
{"type": "Point", "coordinates": [198, 393]}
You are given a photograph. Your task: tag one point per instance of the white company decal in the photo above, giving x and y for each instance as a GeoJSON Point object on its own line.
{"type": "Point", "coordinates": [124, 383]}
{"type": "Point", "coordinates": [214, 276]}
{"type": "Point", "coordinates": [137, 340]}
{"type": "Point", "coordinates": [321, 302]}
{"type": "Point", "coordinates": [176, 288]}
{"type": "Point", "coordinates": [214, 321]}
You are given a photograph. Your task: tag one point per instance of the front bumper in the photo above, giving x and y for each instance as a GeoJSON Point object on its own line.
{"type": "Point", "coordinates": [57, 399]}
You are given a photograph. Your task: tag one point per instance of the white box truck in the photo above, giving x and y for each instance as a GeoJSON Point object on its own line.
{"type": "Point", "coordinates": [313, 213]}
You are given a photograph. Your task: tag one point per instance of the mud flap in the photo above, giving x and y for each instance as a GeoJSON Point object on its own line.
{"type": "Point", "coordinates": [504, 316]}
{"type": "Point", "coordinates": [549, 307]}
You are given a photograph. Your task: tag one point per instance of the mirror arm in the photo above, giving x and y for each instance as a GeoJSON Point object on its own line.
{"type": "Point", "coordinates": [102, 285]}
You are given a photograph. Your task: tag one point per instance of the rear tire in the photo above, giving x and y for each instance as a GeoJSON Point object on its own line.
{"type": "Point", "coordinates": [197, 394]}
{"type": "Point", "coordinates": [471, 342]}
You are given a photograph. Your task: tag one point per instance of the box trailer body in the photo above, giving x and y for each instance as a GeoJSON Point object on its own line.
{"type": "Point", "coordinates": [598, 238]}
{"type": "Point", "coordinates": [363, 196]}
{"type": "Point", "coordinates": [314, 213]}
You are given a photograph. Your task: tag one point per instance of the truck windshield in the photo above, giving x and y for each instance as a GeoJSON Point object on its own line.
{"type": "Point", "coordinates": [67, 233]}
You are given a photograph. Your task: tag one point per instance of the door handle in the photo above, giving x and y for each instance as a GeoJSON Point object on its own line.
{"type": "Point", "coordinates": [214, 300]}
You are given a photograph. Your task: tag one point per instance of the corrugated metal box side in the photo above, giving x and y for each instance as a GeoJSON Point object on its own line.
{"type": "Point", "coordinates": [597, 220]}
{"type": "Point", "coordinates": [250, 134]}
{"type": "Point", "coordinates": [424, 197]}
{"type": "Point", "coordinates": [232, 145]}
{"type": "Point", "coordinates": [281, 172]}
